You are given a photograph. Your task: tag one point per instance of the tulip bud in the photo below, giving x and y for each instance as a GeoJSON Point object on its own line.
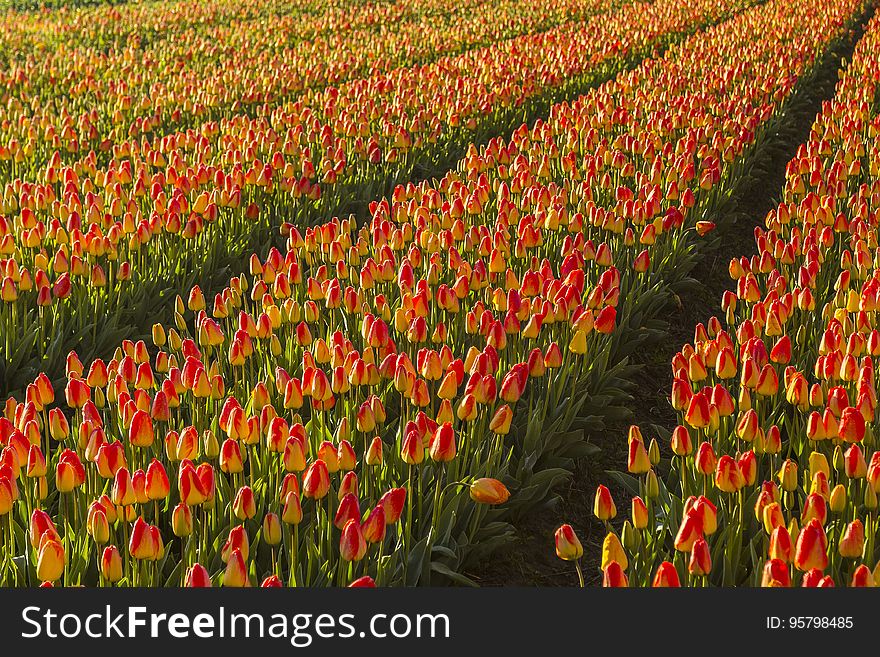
{"type": "Point", "coordinates": [681, 441]}
{"type": "Point", "coordinates": [863, 577]}
{"type": "Point", "coordinates": [780, 545]}
{"type": "Point", "coordinates": [50, 560]}
{"type": "Point", "coordinates": [197, 577]}
{"type": "Point", "coordinates": [352, 545]}
{"type": "Point", "coordinates": [271, 529]}
{"type": "Point", "coordinates": [316, 481]}
{"type": "Point", "coordinates": [701, 559]}
{"type": "Point", "coordinates": [374, 526]}
{"type": "Point", "coordinates": [603, 504]}
{"type": "Point", "coordinates": [788, 478]}
{"type": "Point", "coordinates": [654, 452]}
{"type": "Point", "coordinates": [638, 461]}
{"type": "Point", "coordinates": [488, 491]}
{"type": "Point", "coordinates": [392, 502]}
{"type": "Point", "coordinates": [613, 576]}
{"type": "Point", "coordinates": [292, 513]}
{"type": "Point", "coordinates": [236, 570]}
{"type": "Point", "coordinates": [181, 520]}
{"type": "Point", "coordinates": [612, 551]}
{"type": "Point", "coordinates": [811, 548]}
{"type": "Point", "coordinates": [373, 456]}
{"type": "Point", "coordinates": [244, 505]}
{"type": "Point", "coordinates": [639, 513]}
{"type": "Point", "coordinates": [630, 537]}
{"type": "Point", "coordinates": [853, 541]}
{"type": "Point", "coordinates": [775, 574]}
{"type": "Point", "coordinates": [652, 485]}
{"type": "Point", "coordinates": [111, 564]}
{"type": "Point", "coordinates": [442, 446]}
{"type": "Point", "coordinates": [837, 502]}
{"type": "Point", "coordinates": [97, 525]}
{"type": "Point", "coordinates": [568, 546]}
{"type": "Point", "coordinates": [666, 576]}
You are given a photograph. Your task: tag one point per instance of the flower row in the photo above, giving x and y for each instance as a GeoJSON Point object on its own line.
{"type": "Point", "coordinates": [775, 471]}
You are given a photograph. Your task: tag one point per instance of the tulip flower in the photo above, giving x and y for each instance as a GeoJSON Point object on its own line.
{"type": "Point", "coordinates": [811, 548]}
{"type": "Point", "coordinates": [666, 576]}
{"type": "Point", "coordinates": [488, 491]}
{"type": "Point", "coordinates": [352, 545]}
{"type": "Point", "coordinates": [111, 564]}
{"type": "Point", "coordinates": [603, 505]}
{"type": "Point", "coordinates": [316, 481]}
{"type": "Point", "coordinates": [568, 546]}
{"type": "Point", "coordinates": [50, 560]}
{"type": "Point", "coordinates": [236, 575]}
{"type": "Point", "coordinates": [614, 576]}
{"type": "Point", "coordinates": [701, 561]}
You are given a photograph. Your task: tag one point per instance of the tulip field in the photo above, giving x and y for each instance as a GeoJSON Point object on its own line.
{"type": "Point", "coordinates": [341, 293]}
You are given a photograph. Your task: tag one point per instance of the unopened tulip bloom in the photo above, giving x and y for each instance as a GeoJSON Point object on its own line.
{"type": "Point", "coordinates": [157, 485]}
{"type": "Point", "coordinates": [705, 459]}
{"type": "Point", "coordinates": [781, 547]}
{"type": "Point", "coordinates": [614, 576]}
{"type": "Point", "coordinates": [50, 560]}
{"type": "Point", "coordinates": [442, 446]}
{"type": "Point", "coordinates": [236, 570]}
{"type": "Point", "coordinates": [237, 540]}
{"type": "Point", "coordinates": [852, 425]}
{"type": "Point", "coordinates": [775, 573]}
{"type": "Point", "coordinates": [352, 545]}
{"type": "Point", "coordinates": [501, 421]}
{"type": "Point", "coordinates": [788, 478]}
{"type": "Point", "coordinates": [855, 466]}
{"type": "Point", "coordinates": [681, 441]}
{"type": "Point", "coordinates": [291, 512]}
{"type": "Point", "coordinates": [728, 477]}
{"type": "Point", "coordinates": [143, 544]}
{"type": "Point", "coordinates": [316, 481]}
{"type": "Point", "coordinates": [349, 509]}
{"type": "Point", "coordinates": [639, 513]}
{"type": "Point", "coordinates": [489, 491]}
{"type": "Point", "coordinates": [271, 529]}
{"type": "Point", "coordinates": [568, 546]}
{"type": "Point", "coordinates": [373, 456]}
{"type": "Point", "coordinates": [811, 550]}
{"type": "Point", "coordinates": [374, 526]}
{"type": "Point", "coordinates": [197, 577]}
{"type": "Point", "coordinates": [666, 576]}
{"type": "Point", "coordinates": [638, 461]}
{"type": "Point", "coordinates": [773, 517]}
{"type": "Point", "coordinates": [707, 513]}
{"type": "Point", "coordinates": [182, 520]}
{"type": "Point", "coordinates": [701, 559]}
{"type": "Point", "coordinates": [244, 505]}
{"type": "Point", "coordinates": [853, 541]}
{"type": "Point", "coordinates": [97, 525]}
{"type": "Point", "coordinates": [392, 503]}
{"type": "Point", "coordinates": [231, 461]}
{"type": "Point", "coordinates": [688, 532]}
{"type": "Point", "coordinates": [603, 504]}
{"type": "Point", "coordinates": [111, 564]}
{"type": "Point", "coordinates": [612, 550]}
{"type": "Point", "coordinates": [862, 577]}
